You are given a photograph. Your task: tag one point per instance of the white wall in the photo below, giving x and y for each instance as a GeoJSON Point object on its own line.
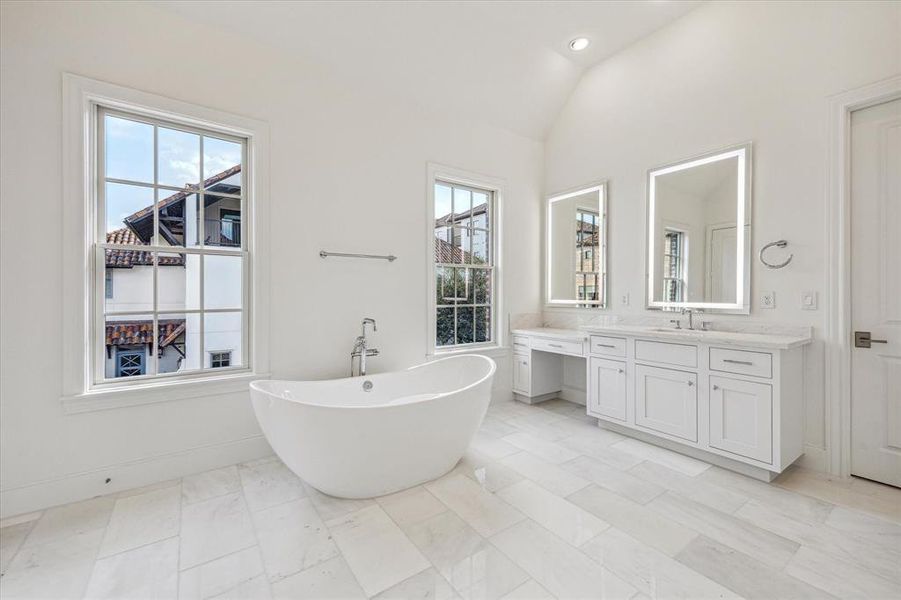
{"type": "Point", "coordinates": [340, 164]}
{"type": "Point", "coordinates": [724, 74]}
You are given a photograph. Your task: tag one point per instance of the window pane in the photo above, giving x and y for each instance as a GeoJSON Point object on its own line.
{"type": "Point", "coordinates": [128, 277]}
{"type": "Point", "coordinates": [481, 284]}
{"type": "Point", "coordinates": [222, 165]}
{"type": "Point", "coordinates": [222, 281]}
{"type": "Point", "coordinates": [462, 246]}
{"type": "Point", "coordinates": [480, 210]}
{"type": "Point", "coordinates": [130, 208]}
{"type": "Point", "coordinates": [442, 204]}
{"type": "Point", "coordinates": [464, 286]}
{"type": "Point", "coordinates": [222, 333]}
{"type": "Point", "coordinates": [178, 218]}
{"type": "Point", "coordinates": [179, 336]}
{"type": "Point", "coordinates": [445, 291]}
{"type": "Point", "coordinates": [462, 207]}
{"type": "Point", "coordinates": [221, 221]}
{"type": "Point", "coordinates": [483, 324]}
{"type": "Point", "coordinates": [179, 157]}
{"type": "Point", "coordinates": [178, 281]}
{"type": "Point", "coordinates": [480, 247]}
{"type": "Point", "coordinates": [444, 330]}
{"type": "Point", "coordinates": [128, 346]}
{"type": "Point", "coordinates": [465, 316]}
{"type": "Point", "coordinates": [444, 250]}
{"type": "Point", "coordinates": [129, 149]}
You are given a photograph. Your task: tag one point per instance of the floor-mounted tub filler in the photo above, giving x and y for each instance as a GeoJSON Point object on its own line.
{"type": "Point", "coordinates": [369, 436]}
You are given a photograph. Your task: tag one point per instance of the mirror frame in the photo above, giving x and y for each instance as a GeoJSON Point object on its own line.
{"type": "Point", "coordinates": [742, 305]}
{"type": "Point", "coordinates": [601, 188]}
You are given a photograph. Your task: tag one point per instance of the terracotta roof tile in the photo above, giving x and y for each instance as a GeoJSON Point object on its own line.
{"type": "Point", "coordinates": [126, 259]}
{"type": "Point", "coordinates": [127, 333]}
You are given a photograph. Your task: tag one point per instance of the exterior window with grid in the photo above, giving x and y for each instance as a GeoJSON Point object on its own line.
{"type": "Point", "coordinates": [464, 258]}
{"type": "Point", "coordinates": [674, 265]}
{"type": "Point", "coordinates": [220, 359]}
{"type": "Point", "coordinates": [587, 272]}
{"type": "Point", "coordinates": [171, 259]}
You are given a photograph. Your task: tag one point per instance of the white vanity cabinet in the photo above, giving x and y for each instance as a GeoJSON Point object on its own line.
{"type": "Point", "coordinates": [607, 388]}
{"type": "Point", "coordinates": [666, 401]}
{"type": "Point", "coordinates": [522, 374]}
{"type": "Point", "coordinates": [538, 361]}
{"type": "Point", "coordinates": [702, 393]}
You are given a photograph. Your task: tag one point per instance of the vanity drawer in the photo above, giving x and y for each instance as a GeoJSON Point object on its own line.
{"type": "Point", "coordinates": [520, 343]}
{"type": "Point", "coordinates": [558, 346]}
{"type": "Point", "coordinates": [742, 362]}
{"type": "Point", "coordinates": [683, 355]}
{"type": "Point", "coordinates": [608, 345]}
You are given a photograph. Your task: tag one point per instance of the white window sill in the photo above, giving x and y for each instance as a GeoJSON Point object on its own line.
{"type": "Point", "coordinates": [158, 392]}
{"type": "Point", "coordinates": [493, 351]}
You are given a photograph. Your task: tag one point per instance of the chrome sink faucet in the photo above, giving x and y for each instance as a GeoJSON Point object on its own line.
{"type": "Point", "coordinates": [691, 313]}
{"type": "Point", "coordinates": [361, 348]}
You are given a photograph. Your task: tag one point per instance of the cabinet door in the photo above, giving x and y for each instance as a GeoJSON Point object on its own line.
{"type": "Point", "coordinates": [741, 418]}
{"type": "Point", "coordinates": [666, 400]}
{"type": "Point", "coordinates": [522, 374]}
{"type": "Point", "coordinates": [607, 388]}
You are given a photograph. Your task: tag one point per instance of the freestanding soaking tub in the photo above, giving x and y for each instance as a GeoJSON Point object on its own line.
{"type": "Point", "coordinates": [368, 436]}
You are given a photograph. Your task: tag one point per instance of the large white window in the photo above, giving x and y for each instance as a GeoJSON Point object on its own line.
{"type": "Point", "coordinates": [463, 264]}
{"type": "Point", "coordinates": [171, 257]}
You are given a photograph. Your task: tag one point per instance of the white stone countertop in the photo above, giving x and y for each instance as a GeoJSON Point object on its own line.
{"type": "Point", "coordinates": [773, 341]}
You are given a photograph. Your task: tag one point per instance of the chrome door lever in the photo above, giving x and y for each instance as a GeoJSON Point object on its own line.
{"type": "Point", "coordinates": [862, 339]}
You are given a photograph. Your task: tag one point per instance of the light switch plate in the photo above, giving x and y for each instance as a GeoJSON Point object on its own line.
{"type": "Point", "coordinates": [768, 300]}
{"type": "Point", "coordinates": [808, 300]}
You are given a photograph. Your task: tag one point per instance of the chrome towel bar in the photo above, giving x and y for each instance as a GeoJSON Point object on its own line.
{"type": "Point", "coordinates": [388, 257]}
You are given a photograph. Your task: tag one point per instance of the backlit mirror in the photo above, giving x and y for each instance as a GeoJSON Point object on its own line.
{"type": "Point", "coordinates": [699, 232]}
{"type": "Point", "coordinates": [576, 263]}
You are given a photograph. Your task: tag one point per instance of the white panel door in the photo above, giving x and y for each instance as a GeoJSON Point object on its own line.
{"type": "Point", "coordinates": [522, 374]}
{"type": "Point", "coordinates": [666, 400]}
{"type": "Point", "coordinates": [876, 292]}
{"type": "Point", "coordinates": [741, 418]}
{"type": "Point", "coordinates": [607, 388]}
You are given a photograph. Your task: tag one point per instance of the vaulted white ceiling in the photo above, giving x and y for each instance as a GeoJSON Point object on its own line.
{"type": "Point", "coordinates": [503, 63]}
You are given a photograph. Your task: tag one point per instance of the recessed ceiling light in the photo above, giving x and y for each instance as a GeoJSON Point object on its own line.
{"type": "Point", "coordinates": [579, 44]}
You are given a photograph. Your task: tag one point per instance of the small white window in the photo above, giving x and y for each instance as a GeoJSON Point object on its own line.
{"type": "Point", "coordinates": [172, 262]}
{"type": "Point", "coordinates": [463, 264]}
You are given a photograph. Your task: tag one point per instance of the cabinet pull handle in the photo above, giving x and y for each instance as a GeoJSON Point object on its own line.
{"type": "Point", "coordinates": [690, 383]}
{"type": "Point", "coordinates": [555, 345]}
{"type": "Point", "coordinates": [605, 345]}
{"type": "Point", "coordinates": [716, 387]}
{"type": "Point", "coordinates": [738, 362]}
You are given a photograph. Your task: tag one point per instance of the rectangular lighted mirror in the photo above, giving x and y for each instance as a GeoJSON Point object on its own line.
{"type": "Point", "coordinates": [699, 232]}
{"type": "Point", "coordinates": [576, 242]}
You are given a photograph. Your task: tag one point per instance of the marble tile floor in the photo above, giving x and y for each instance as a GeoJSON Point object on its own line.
{"type": "Point", "coordinates": [544, 505]}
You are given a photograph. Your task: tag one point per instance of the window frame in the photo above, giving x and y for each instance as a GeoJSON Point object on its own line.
{"type": "Point", "coordinates": [457, 177]}
{"type": "Point", "coordinates": [81, 262]}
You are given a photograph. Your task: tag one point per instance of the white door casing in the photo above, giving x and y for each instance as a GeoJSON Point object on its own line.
{"type": "Point", "coordinates": [875, 278]}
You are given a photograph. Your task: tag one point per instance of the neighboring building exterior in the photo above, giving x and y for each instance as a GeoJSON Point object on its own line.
{"type": "Point", "coordinates": [130, 286]}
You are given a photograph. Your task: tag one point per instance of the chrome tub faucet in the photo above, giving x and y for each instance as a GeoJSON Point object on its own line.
{"type": "Point", "coordinates": [361, 348]}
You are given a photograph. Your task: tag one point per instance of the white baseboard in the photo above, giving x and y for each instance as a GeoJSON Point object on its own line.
{"type": "Point", "coordinates": [572, 394]}
{"type": "Point", "coordinates": [814, 458]}
{"type": "Point", "coordinates": [127, 475]}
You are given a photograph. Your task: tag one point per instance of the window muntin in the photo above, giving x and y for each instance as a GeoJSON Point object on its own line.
{"type": "Point", "coordinates": [464, 265]}
{"type": "Point", "coordinates": [173, 278]}
{"type": "Point", "coordinates": [674, 242]}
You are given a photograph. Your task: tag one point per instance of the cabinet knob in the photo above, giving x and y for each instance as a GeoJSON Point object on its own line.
{"type": "Point", "coordinates": [619, 370]}
{"type": "Point", "coordinates": [716, 387]}
{"type": "Point", "coordinates": [690, 383]}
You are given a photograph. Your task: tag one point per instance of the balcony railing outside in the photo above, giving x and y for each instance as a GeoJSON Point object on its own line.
{"type": "Point", "coordinates": [222, 232]}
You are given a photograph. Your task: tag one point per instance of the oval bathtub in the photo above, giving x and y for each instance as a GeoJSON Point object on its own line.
{"type": "Point", "coordinates": [411, 427]}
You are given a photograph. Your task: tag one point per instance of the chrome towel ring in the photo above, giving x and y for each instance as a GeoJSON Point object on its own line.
{"type": "Point", "coordinates": [778, 244]}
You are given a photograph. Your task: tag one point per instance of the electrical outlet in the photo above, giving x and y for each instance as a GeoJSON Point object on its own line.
{"type": "Point", "coordinates": [768, 300]}
{"type": "Point", "coordinates": [808, 300]}
{"type": "Point", "coordinates": [626, 299]}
